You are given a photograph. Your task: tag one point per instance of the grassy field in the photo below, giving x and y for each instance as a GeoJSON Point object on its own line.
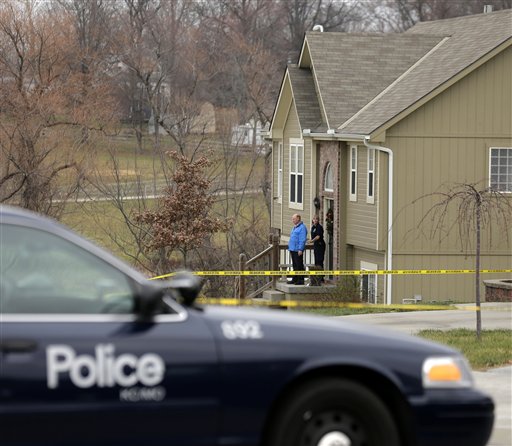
{"type": "Point", "coordinates": [152, 163]}
{"type": "Point", "coordinates": [350, 311]}
{"type": "Point", "coordinates": [493, 350]}
{"type": "Point", "coordinates": [116, 159]}
{"type": "Point", "coordinates": [102, 223]}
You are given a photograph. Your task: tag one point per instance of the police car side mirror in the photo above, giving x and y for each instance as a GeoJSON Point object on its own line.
{"type": "Point", "coordinates": [186, 287]}
{"type": "Point", "coordinates": [148, 301]}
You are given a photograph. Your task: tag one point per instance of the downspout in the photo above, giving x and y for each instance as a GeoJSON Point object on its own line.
{"type": "Point", "coordinates": [389, 253]}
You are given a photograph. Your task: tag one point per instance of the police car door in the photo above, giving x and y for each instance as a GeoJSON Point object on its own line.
{"type": "Point", "coordinates": [78, 367]}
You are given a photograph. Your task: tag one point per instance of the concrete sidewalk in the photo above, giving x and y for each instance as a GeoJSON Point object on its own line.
{"type": "Point", "coordinates": [495, 382]}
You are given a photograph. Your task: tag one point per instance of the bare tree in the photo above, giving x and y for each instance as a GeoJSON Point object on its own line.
{"type": "Point", "coordinates": [474, 210]}
{"type": "Point", "coordinates": [89, 43]}
{"type": "Point", "coordinates": [42, 161]}
{"type": "Point", "coordinates": [256, 20]}
{"type": "Point", "coordinates": [399, 15]}
{"type": "Point", "coordinates": [237, 32]}
{"type": "Point", "coordinates": [127, 196]}
{"type": "Point", "coordinates": [151, 49]}
{"type": "Point", "coordinates": [333, 15]}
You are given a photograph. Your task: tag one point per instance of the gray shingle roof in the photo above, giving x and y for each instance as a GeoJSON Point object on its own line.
{"type": "Point", "coordinates": [471, 38]}
{"type": "Point", "coordinates": [351, 69]}
{"type": "Point", "coordinates": [306, 100]}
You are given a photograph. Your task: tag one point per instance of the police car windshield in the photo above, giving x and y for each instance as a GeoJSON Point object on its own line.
{"type": "Point", "coordinates": [43, 273]}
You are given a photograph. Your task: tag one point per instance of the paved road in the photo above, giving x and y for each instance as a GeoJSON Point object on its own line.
{"type": "Point", "coordinates": [496, 382]}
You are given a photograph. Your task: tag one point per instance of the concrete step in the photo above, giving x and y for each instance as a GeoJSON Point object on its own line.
{"type": "Point", "coordinates": [272, 296]}
{"type": "Point", "coordinates": [304, 292]}
{"type": "Point", "coordinates": [285, 291]}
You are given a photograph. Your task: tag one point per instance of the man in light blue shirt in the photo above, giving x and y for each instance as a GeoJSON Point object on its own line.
{"type": "Point", "coordinates": [296, 246]}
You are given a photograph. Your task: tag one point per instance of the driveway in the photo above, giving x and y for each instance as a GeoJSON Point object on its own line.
{"type": "Point", "coordinates": [496, 382]}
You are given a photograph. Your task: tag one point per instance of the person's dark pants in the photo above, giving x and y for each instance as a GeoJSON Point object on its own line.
{"type": "Point", "coordinates": [319, 250]}
{"type": "Point", "coordinates": [298, 265]}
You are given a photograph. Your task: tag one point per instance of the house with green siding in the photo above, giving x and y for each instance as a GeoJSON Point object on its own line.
{"type": "Point", "coordinates": [366, 125]}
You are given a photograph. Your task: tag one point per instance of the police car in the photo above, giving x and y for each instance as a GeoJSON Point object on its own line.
{"type": "Point", "coordinates": [92, 353]}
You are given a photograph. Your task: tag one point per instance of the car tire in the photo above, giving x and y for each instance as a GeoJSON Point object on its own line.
{"type": "Point", "coordinates": [333, 412]}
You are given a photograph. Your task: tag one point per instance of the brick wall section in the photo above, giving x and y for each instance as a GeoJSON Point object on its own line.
{"type": "Point", "coordinates": [329, 153]}
{"type": "Point", "coordinates": [496, 293]}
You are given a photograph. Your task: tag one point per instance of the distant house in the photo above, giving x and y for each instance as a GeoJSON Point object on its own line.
{"type": "Point", "coordinates": [248, 134]}
{"type": "Point", "coordinates": [365, 124]}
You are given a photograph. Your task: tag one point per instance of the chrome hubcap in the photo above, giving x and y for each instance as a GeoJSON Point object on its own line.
{"type": "Point", "coordinates": [332, 428]}
{"type": "Point", "coordinates": [334, 439]}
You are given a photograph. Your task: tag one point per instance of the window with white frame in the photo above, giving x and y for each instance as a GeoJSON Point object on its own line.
{"type": "Point", "coordinates": [328, 180]}
{"type": "Point", "coordinates": [371, 177]}
{"type": "Point", "coordinates": [280, 171]}
{"type": "Point", "coordinates": [353, 173]}
{"type": "Point", "coordinates": [296, 173]}
{"type": "Point", "coordinates": [500, 169]}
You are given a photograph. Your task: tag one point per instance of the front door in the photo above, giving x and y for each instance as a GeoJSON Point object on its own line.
{"type": "Point", "coordinates": [329, 229]}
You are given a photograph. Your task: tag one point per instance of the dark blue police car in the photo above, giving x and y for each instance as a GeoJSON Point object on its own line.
{"type": "Point", "coordinates": [92, 353]}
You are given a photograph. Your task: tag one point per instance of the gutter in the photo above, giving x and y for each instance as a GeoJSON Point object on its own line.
{"type": "Point", "coordinates": [331, 134]}
{"type": "Point", "coordinates": [389, 252]}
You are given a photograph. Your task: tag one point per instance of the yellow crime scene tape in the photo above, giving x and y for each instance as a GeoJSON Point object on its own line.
{"type": "Point", "coordinates": [328, 303]}
{"type": "Point", "coordinates": [380, 272]}
{"type": "Point", "coordinates": [234, 302]}
{"type": "Point", "coordinates": [225, 301]}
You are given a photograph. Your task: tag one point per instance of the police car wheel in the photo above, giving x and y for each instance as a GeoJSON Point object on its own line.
{"type": "Point", "coordinates": [334, 412]}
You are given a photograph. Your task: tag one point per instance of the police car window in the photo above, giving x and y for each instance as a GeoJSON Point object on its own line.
{"type": "Point", "coordinates": [43, 273]}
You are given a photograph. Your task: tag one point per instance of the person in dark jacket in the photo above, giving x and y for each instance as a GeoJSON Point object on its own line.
{"type": "Point", "coordinates": [296, 246]}
{"type": "Point", "coordinates": [317, 237]}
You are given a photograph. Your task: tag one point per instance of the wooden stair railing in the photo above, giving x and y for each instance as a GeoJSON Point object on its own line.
{"type": "Point", "coordinates": [272, 255]}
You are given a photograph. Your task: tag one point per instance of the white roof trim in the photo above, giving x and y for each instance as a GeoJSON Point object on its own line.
{"type": "Point", "coordinates": [302, 51]}
{"type": "Point", "coordinates": [321, 101]}
{"type": "Point", "coordinates": [319, 95]}
{"type": "Point", "coordinates": [286, 77]}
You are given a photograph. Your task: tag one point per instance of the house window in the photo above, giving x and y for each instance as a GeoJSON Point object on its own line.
{"type": "Point", "coordinates": [280, 171]}
{"type": "Point", "coordinates": [296, 173]}
{"type": "Point", "coordinates": [353, 173]}
{"type": "Point", "coordinates": [500, 169]}
{"type": "Point", "coordinates": [328, 181]}
{"type": "Point", "coordinates": [371, 176]}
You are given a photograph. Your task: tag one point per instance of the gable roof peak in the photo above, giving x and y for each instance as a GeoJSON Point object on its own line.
{"type": "Point", "coordinates": [350, 69]}
{"type": "Point", "coordinates": [472, 39]}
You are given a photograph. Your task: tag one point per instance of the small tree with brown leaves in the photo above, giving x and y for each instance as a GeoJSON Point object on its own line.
{"type": "Point", "coordinates": [182, 220]}
{"type": "Point", "coordinates": [475, 209]}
